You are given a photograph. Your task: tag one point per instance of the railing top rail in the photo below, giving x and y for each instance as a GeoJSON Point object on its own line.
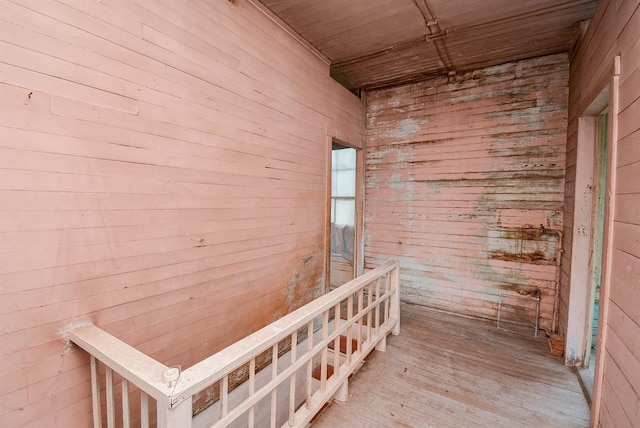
{"type": "Point", "coordinates": [137, 367]}
{"type": "Point", "coordinates": [209, 370]}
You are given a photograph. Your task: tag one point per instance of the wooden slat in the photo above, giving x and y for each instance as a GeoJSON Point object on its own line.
{"type": "Point", "coordinates": [111, 411]}
{"type": "Point", "coordinates": [252, 389]}
{"type": "Point", "coordinates": [309, 374]}
{"type": "Point", "coordinates": [224, 395]}
{"type": "Point", "coordinates": [95, 393]}
{"type": "Point", "coordinates": [126, 415]}
{"type": "Point", "coordinates": [324, 356]}
{"type": "Point", "coordinates": [144, 409]}
{"type": "Point", "coordinates": [292, 382]}
{"type": "Point", "coordinates": [274, 393]}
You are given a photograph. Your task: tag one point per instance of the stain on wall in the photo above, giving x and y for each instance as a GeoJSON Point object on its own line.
{"type": "Point", "coordinates": [465, 185]}
{"type": "Point", "coordinates": [306, 283]}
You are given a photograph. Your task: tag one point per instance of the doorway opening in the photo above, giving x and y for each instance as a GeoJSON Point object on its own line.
{"type": "Point", "coordinates": [343, 214]}
{"type": "Point", "coordinates": [597, 239]}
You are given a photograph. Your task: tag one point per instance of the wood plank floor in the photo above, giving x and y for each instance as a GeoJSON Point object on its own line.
{"type": "Point", "coordinates": [448, 371]}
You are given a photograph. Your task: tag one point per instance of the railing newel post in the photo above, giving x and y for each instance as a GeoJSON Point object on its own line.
{"type": "Point", "coordinates": [382, 344]}
{"type": "Point", "coordinates": [177, 416]}
{"type": "Point", "coordinates": [342, 395]}
{"type": "Point", "coordinates": [395, 299]}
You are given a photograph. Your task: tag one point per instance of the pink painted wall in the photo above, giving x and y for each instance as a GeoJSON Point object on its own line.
{"type": "Point", "coordinates": [614, 30]}
{"type": "Point", "coordinates": [162, 174]}
{"type": "Point", "coordinates": [464, 185]}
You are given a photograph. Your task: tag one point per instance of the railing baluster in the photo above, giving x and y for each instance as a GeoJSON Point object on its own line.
{"type": "Point", "coordinates": [360, 315]}
{"type": "Point", "coordinates": [95, 394]}
{"type": "Point", "coordinates": [349, 349]}
{"type": "Point", "coordinates": [252, 390]}
{"type": "Point", "coordinates": [274, 392]}
{"type": "Point", "coordinates": [292, 384]}
{"type": "Point", "coordinates": [224, 394]}
{"type": "Point", "coordinates": [376, 323]}
{"type": "Point", "coordinates": [369, 300]}
{"type": "Point", "coordinates": [111, 416]}
{"type": "Point", "coordinates": [323, 362]}
{"type": "Point", "coordinates": [336, 341]}
{"type": "Point", "coordinates": [395, 306]}
{"type": "Point", "coordinates": [309, 364]}
{"type": "Point", "coordinates": [387, 287]}
{"type": "Point", "coordinates": [144, 409]}
{"type": "Point", "coordinates": [125, 404]}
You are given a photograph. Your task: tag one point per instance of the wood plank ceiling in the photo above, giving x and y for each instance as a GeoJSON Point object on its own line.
{"type": "Point", "coordinates": [378, 43]}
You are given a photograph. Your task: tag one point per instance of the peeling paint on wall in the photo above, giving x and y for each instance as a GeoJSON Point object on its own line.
{"type": "Point", "coordinates": [471, 202]}
{"type": "Point", "coordinates": [405, 128]}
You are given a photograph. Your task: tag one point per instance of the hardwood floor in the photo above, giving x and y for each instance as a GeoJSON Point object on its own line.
{"type": "Point", "coordinates": [447, 371]}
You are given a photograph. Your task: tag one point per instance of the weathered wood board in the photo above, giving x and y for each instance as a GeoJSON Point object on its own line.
{"type": "Point", "coordinates": [465, 185]}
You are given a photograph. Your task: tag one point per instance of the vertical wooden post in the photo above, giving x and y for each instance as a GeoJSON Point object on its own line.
{"type": "Point", "coordinates": [292, 382]}
{"type": "Point", "coordinates": [173, 417]}
{"type": "Point", "coordinates": [95, 394]}
{"type": "Point", "coordinates": [343, 392]}
{"type": "Point", "coordinates": [126, 422]}
{"type": "Point", "coordinates": [360, 316]}
{"type": "Point", "coordinates": [349, 347]}
{"type": "Point", "coordinates": [252, 390]}
{"type": "Point", "coordinates": [369, 300]}
{"type": "Point", "coordinates": [111, 411]}
{"type": "Point", "coordinates": [395, 299]}
{"type": "Point", "coordinates": [144, 410]}
{"type": "Point", "coordinates": [224, 395]}
{"type": "Point", "coordinates": [382, 344]}
{"type": "Point", "coordinates": [309, 377]}
{"type": "Point", "coordinates": [274, 391]}
{"type": "Point", "coordinates": [324, 356]}
{"type": "Point", "coordinates": [336, 341]}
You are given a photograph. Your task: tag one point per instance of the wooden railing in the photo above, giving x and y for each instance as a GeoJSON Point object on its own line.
{"type": "Point", "coordinates": [293, 366]}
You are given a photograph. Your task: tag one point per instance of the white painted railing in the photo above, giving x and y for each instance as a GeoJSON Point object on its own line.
{"type": "Point", "coordinates": [293, 366]}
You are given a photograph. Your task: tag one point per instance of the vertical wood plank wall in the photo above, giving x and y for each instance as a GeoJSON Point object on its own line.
{"type": "Point", "coordinates": [162, 174]}
{"type": "Point", "coordinates": [614, 29]}
{"type": "Point", "coordinates": [465, 182]}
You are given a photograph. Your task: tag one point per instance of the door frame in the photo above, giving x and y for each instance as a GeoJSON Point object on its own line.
{"type": "Point", "coordinates": [581, 246]}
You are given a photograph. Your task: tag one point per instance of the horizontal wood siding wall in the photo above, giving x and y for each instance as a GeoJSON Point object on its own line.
{"type": "Point", "coordinates": [464, 185]}
{"type": "Point", "coordinates": [162, 174]}
{"type": "Point", "coordinates": [614, 29]}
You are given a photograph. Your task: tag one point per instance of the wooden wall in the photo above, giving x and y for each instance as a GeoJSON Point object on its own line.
{"type": "Point", "coordinates": [162, 174]}
{"type": "Point", "coordinates": [464, 185]}
{"type": "Point", "coordinates": [614, 30]}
